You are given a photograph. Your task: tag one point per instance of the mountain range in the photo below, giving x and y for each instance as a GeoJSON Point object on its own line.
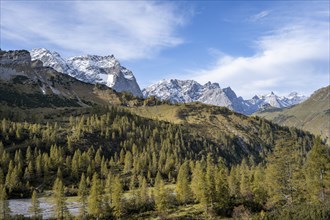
{"type": "Point", "coordinates": [185, 91]}
{"type": "Point", "coordinates": [91, 69]}
{"type": "Point", "coordinates": [107, 70]}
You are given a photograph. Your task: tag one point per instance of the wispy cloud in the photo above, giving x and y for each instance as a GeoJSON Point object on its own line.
{"type": "Point", "coordinates": [130, 30]}
{"type": "Point", "coordinates": [291, 56]}
{"type": "Point", "coordinates": [259, 16]}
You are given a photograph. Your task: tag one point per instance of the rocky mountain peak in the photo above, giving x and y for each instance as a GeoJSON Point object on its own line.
{"type": "Point", "coordinates": [174, 90]}
{"type": "Point", "coordinates": [91, 69]}
{"type": "Point", "coordinates": [14, 57]}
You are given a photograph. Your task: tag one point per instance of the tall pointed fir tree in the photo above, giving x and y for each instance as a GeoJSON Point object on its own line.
{"type": "Point", "coordinates": [117, 200]}
{"type": "Point", "coordinates": [4, 205]}
{"type": "Point", "coordinates": [183, 190]}
{"type": "Point", "coordinates": [108, 190]}
{"type": "Point", "coordinates": [317, 171]}
{"type": "Point", "coordinates": [83, 196]}
{"type": "Point", "coordinates": [95, 197]}
{"type": "Point", "coordinates": [59, 199]}
{"type": "Point", "coordinates": [281, 173]}
{"type": "Point", "coordinates": [221, 185]}
{"type": "Point", "coordinates": [160, 194]}
{"type": "Point", "coordinates": [143, 198]}
{"type": "Point", "coordinates": [198, 183]}
{"type": "Point", "coordinates": [35, 209]}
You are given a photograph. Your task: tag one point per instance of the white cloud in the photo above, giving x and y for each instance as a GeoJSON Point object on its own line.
{"type": "Point", "coordinates": [259, 16]}
{"type": "Point", "coordinates": [130, 30]}
{"type": "Point", "coordinates": [293, 57]}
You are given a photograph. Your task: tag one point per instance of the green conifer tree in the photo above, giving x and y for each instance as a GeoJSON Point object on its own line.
{"type": "Point", "coordinates": [59, 199]}
{"type": "Point", "coordinates": [183, 190]}
{"type": "Point", "coordinates": [35, 209]}
{"type": "Point", "coordinates": [83, 195]}
{"type": "Point", "coordinates": [4, 205]}
{"type": "Point", "coordinates": [317, 171]}
{"type": "Point", "coordinates": [116, 197]}
{"type": "Point", "coordinates": [95, 197]}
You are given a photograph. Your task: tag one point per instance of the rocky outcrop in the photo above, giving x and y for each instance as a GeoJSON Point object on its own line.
{"type": "Point", "coordinates": [91, 69]}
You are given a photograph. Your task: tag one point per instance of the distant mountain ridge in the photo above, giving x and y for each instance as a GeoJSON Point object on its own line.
{"type": "Point", "coordinates": [91, 69]}
{"type": "Point", "coordinates": [185, 91]}
{"type": "Point", "coordinates": [312, 115]}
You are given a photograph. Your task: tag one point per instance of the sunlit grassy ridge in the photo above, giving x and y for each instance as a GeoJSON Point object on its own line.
{"type": "Point", "coordinates": [312, 115]}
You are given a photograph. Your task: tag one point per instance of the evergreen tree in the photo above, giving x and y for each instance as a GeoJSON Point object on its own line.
{"type": "Point", "coordinates": [35, 209]}
{"type": "Point", "coordinates": [221, 185]}
{"type": "Point", "coordinates": [161, 194]}
{"type": "Point", "coordinates": [117, 194]}
{"type": "Point", "coordinates": [95, 197]}
{"type": "Point", "coordinates": [317, 172]}
{"type": "Point", "coordinates": [280, 174]}
{"type": "Point", "coordinates": [83, 195]}
{"type": "Point", "coordinates": [234, 181]}
{"type": "Point", "coordinates": [128, 162]}
{"type": "Point", "coordinates": [198, 183]}
{"type": "Point", "coordinates": [143, 191]}
{"type": "Point", "coordinates": [245, 181]}
{"type": "Point", "coordinates": [258, 185]}
{"type": "Point", "coordinates": [210, 190]}
{"type": "Point", "coordinates": [183, 190]}
{"type": "Point", "coordinates": [4, 205]}
{"type": "Point", "coordinates": [59, 199]}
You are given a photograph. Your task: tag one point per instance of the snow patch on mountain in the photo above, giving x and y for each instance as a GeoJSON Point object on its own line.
{"type": "Point", "coordinates": [185, 91]}
{"type": "Point", "coordinates": [91, 69]}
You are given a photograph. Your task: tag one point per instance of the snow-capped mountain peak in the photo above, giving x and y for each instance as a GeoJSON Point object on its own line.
{"type": "Point", "coordinates": [91, 69]}
{"type": "Point", "coordinates": [184, 91]}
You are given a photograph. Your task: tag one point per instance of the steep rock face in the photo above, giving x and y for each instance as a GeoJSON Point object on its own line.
{"type": "Point", "coordinates": [185, 91]}
{"type": "Point", "coordinates": [14, 57]}
{"type": "Point", "coordinates": [91, 69]}
{"type": "Point", "coordinates": [28, 84]}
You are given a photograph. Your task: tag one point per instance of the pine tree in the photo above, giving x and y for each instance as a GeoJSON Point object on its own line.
{"type": "Point", "coordinates": [221, 185]}
{"type": "Point", "coordinates": [210, 192]}
{"type": "Point", "coordinates": [116, 197]}
{"type": "Point", "coordinates": [245, 181]}
{"type": "Point", "coordinates": [108, 190]}
{"type": "Point", "coordinates": [317, 172]}
{"type": "Point", "coordinates": [183, 190]}
{"type": "Point", "coordinates": [59, 199]}
{"type": "Point", "coordinates": [35, 209]}
{"type": "Point", "coordinates": [143, 191]}
{"type": "Point", "coordinates": [83, 195]}
{"type": "Point", "coordinates": [4, 205]}
{"type": "Point", "coordinates": [198, 183]}
{"type": "Point", "coordinates": [234, 181]}
{"type": "Point", "coordinates": [280, 173]}
{"type": "Point", "coordinates": [160, 193]}
{"type": "Point", "coordinates": [95, 197]}
{"type": "Point", "coordinates": [128, 162]}
{"type": "Point", "coordinates": [258, 185]}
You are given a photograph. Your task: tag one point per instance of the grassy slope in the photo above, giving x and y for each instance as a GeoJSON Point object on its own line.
{"type": "Point", "coordinates": [235, 133]}
{"type": "Point", "coordinates": [312, 115]}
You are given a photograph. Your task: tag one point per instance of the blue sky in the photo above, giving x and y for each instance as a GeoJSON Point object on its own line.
{"type": "Point", "coordinates": [253, 46]}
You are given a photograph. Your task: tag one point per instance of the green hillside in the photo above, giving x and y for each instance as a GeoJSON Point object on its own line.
{"type": "Point", "coordinates": [312, 115]}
